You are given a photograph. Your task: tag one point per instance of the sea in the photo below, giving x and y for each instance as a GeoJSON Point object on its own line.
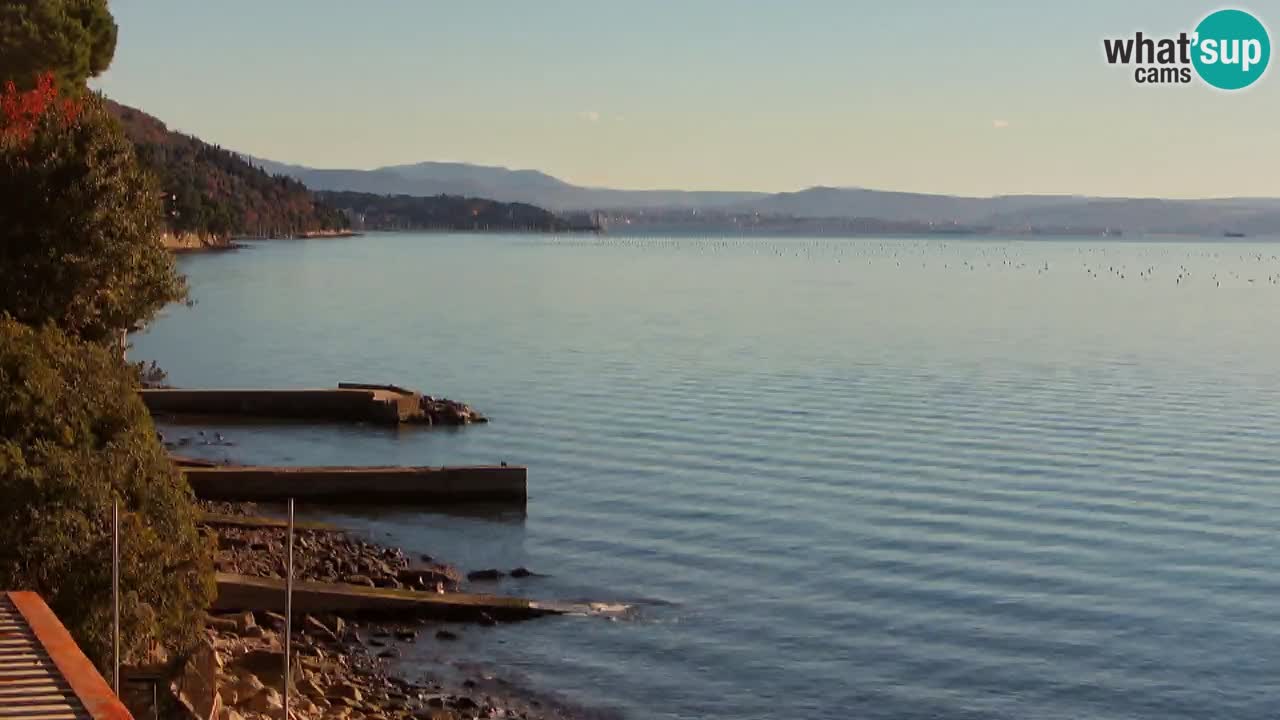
{"type": "Point", "coordinates": [884, 478]}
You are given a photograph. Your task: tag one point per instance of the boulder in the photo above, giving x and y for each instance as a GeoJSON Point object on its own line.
{"type": "Point", "coordinates": [346, 691]}
{"type": "Point", "coordinates": [197, 685]}
{"type": "Point", "coordinates": [268, 701]}
{"type": "Point", "coordinates": [310, 688]}
{"type": "Point", "coordinates": [490, 574]}
{"type": "Point", "coordinates": [248, 686]}
{"type": "Point", "coordinates": [318, 628]}
{"type": "Point", "coordinates": [267, 665]}
{"type": "Point", "coordinates": [427, 577]}
{"type": "Point", "coordinates": [244, 621]}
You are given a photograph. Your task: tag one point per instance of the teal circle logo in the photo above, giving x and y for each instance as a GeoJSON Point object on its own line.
{"type": "Point", "coordinates": [1232, 49]}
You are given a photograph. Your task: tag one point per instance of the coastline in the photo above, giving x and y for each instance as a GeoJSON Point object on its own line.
{"type": "Point", "coordinates": [190, 242]}
{"type": "Point", "coordinates": [345, 662]}
{"type": "Point", "coordinates": [182, 243]}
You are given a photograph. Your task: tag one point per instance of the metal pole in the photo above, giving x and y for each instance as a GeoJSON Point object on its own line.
{"type": "Point", "coordinates": [288, 613]}
{"type": "Point", "coordinates": [115, 595]}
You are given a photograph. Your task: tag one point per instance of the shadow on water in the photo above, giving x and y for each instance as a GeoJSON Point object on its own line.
{"type": "Point", "coordinates": [246, 423]}
{"type": "Point", "coordinates": [490, 512]}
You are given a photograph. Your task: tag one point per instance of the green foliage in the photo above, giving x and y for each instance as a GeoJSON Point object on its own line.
{"type": "Point", "coordinates": [73, 436]}
{"type": "Point", "coordinates": [442, 212]}
{"type": "Point", "coordinates": [75, 39]}
{"type": "Point", "coordinates": [214, 191]}
{"type": "Point", "coordinates": [80, 226]}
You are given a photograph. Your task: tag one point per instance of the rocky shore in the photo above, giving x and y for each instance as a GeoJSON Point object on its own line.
{"type": "Point", "coordinates": [190, 242]}
{"type": "Point", "coordinates": [443, 411]}
{"type": "Point", "coordinates": [342, 667]}
{"type": "Point", "coordinates": [328, 556]}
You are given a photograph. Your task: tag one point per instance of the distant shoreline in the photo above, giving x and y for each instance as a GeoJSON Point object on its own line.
{"type": "Point", "coordinates": [189, 242]}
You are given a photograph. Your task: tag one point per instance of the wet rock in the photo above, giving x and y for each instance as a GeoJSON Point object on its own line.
{"type": "Point", "coordinates": [446, 635]}
{"type": "Point", "coordinates": [486, 620]}
{"type": "Point", "coordinates": [419, 577]}
{"type": "Point", "coordinates": [485, 575]}
{"type": "Point", "coordinates": [389, 653]}
{"type": "Point", "coordinates": [406, 634]}
{"type": "Point", "coordinates": [524, 572]}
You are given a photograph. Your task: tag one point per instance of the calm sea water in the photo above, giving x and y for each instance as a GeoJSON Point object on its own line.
{"type": "Point", "coordinates": [872, 478]}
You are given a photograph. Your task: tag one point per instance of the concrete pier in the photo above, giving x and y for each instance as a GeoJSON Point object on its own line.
{"type": "Point", "coordinates": [242, 592]}
{"type": "Point", "coordinates": [352, 404]}
{"type": "Point", "coordinates": [426, 485]}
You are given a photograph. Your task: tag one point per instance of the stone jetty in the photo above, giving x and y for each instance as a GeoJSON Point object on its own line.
{"type": "Point", "coordinates": [348, 402]}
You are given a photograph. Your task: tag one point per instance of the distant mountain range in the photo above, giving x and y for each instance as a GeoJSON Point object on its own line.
{"type": "Point", "coordinates": [498, 183]}
{"type": "Point", "coordinates": [1013, 213]}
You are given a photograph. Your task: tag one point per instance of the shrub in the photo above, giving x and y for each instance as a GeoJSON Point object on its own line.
{"type": "Point", "coordinates": [74, 435]}
{"type": "Point", "coordinates": [80, 221]}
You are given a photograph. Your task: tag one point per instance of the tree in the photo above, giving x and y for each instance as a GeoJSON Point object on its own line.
{"type": "Point", "coordinates": [80, 221]}
{"type": "Point", "coordinates": [74, 436]}
{"type": "Point", "coordinates": [75, 39]}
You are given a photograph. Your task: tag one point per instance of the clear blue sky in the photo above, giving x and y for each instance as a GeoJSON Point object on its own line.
{"type": "Point", "coordinates": [924, 95]}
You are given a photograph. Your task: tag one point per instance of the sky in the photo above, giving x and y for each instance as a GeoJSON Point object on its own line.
{"type": "Point", "coordinates": [974, 98]}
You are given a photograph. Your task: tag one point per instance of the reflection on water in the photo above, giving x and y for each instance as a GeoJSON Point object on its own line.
{"type": "Point", "coordinates": [877, 478]}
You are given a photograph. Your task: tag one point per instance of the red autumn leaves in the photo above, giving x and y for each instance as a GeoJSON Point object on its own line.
{"type": "Point", "coordinates": [22, 112]}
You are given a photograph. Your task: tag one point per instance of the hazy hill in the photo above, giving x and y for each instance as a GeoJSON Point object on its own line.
{"type": "Point", "coordinates": [1012, 213]}
{"type": "Point", "coordinates": [445, 212]}
{"type": "Point", "coordinates": [498, 183]}
{"type": "Point", "coordinates": [215, 192]}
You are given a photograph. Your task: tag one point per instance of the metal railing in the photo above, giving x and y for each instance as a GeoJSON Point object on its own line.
{"type": "Point", "coordinates": [115, 611]}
